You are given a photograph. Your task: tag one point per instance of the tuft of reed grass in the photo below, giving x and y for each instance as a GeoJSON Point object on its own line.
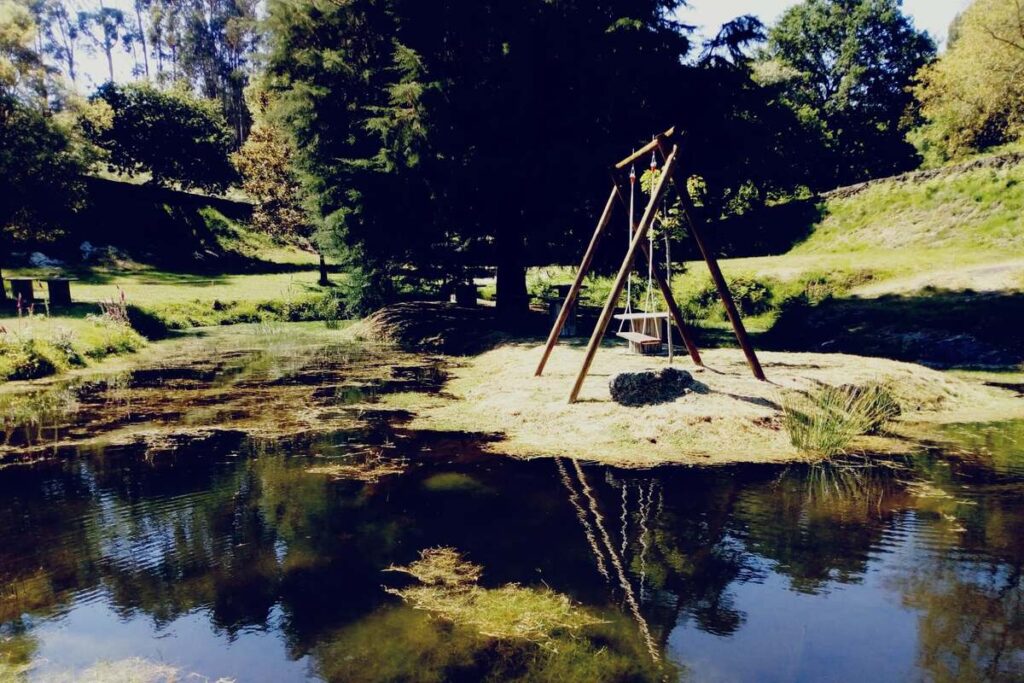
{"type": "Point", "coordinates": [825, 421]}
{"type": "Point", "coordinates": [448, 588]}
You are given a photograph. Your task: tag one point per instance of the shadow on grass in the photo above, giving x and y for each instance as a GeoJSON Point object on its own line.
{"type": "Point", "coordinates": [942, 328]}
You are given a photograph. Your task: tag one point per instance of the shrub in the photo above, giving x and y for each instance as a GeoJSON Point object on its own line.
{"type": "Point", "coordinates": [752, 297]}
{"type": "Point", "coordinates": [23, 359]}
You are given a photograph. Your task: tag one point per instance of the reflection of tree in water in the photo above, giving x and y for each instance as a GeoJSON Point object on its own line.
{"type": "Point", "coordinates": [971, 599]}
{"type": "Point", "coordinates": [819, 524]}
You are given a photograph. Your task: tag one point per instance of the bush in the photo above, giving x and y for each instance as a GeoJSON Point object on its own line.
{"type": "Point", "coordinates": [752, 297]}
{"type": "Point", "coordinates": [23, 359]}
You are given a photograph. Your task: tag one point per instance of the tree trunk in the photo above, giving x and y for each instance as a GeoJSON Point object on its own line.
{"type": "Point", "coordinates": [142, 38]}
{"type": "Point", "coordinates": [324, 280]}
{"type": "Point", "coordinates": [513, 300]}
{"type": "Point", "coordinates": [3, 290]}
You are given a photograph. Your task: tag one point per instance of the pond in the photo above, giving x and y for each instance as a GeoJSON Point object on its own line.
{"type": "Point", "coordinates": [231, 510]}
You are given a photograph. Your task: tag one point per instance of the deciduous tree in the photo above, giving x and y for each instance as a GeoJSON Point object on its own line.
{"type": "Point", "coordinates": [973, 96]}
{"type": "Point", "coordinates": [846, 67]}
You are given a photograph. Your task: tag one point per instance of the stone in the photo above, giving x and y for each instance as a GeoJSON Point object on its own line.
{"type": "Point", "coordinates": [650, 387]}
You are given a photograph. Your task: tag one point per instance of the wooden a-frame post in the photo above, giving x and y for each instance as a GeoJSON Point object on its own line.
{"type": "Point", "coordinates": [620, 279]}
{"type": "Point", "coordinates": [670, 171]}
{"type": "Point", "coordinates": [716, 272]}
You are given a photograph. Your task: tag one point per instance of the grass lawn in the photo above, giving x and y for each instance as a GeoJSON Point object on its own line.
{"type": "Point", "coordinates": [150, 287]}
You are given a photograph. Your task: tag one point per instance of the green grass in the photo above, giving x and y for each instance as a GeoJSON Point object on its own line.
{"type": "Point", "coordinates": [37, 346]}
{"type": "Point", "coordinates": [980, 211]}
{"type": "Point", "coordinates": [960, 231]}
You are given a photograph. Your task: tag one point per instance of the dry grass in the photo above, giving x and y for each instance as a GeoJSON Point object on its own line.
{"type": "Point", "coordinates": [733, 418]}
{"type": "Point", "coordinates": [448, 588]}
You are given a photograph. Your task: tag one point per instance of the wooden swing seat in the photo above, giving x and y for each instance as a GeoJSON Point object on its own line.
{"type": "Point", "coordinates": [638, 338]}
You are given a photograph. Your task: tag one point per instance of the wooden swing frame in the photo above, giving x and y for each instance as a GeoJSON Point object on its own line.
{"type": "Point", "coordinates": [671, 171]}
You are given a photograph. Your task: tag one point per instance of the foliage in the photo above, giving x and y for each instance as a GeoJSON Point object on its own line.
{"type": "Point", "coordinates": [400, 123]}
{"type": "Point", "coordinates": [40, 167]}
{"type": "Point", "coordinates": [172, 135]}
{"type": "Point", "coordinates": [973, 97]}
{"type": "Point", "coordinates": [826, 421]}
{"type": "Point", "coordinates": [844, 67]}
{"type": "Point", "coordinates": [752, 297]}
{"type": "Point", "coordinates": [266, 165]}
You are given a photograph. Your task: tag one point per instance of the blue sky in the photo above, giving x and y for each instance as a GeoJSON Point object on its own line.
{"type": "Point", "coordinates": [933, 16]}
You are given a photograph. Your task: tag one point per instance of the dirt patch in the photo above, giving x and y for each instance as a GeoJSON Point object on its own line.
{"type": "Point", "coordinates": [736, 419]}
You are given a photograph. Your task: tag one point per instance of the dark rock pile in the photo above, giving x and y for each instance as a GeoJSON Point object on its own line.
{"type": "Point", "coordinates": [650, 387]}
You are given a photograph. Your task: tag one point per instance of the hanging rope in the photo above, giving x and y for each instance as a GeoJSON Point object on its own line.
{"type": "Point", "coordinates": [629, 241]}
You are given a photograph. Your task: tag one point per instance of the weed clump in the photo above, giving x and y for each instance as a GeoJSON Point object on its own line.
{"type": "Point", "coordinates": [448, 588]}
{"type": "Point", "coordinates": [826, 421]}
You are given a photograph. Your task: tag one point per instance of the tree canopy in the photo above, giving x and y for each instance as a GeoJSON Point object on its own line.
{"type": "Point", "coordinates": [846, 67]}
{"type": "Point", "coordinates": [434, 136]}
{"type": "Point", "coordinates": [171, 135]}
{"type": "Point", "coordinates": [973, 96]}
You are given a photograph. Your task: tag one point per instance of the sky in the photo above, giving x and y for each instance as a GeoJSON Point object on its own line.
{"type": "Point", "coordinates": [933, 16]}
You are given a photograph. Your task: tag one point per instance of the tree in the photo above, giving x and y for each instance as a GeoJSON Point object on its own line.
{"type": "Point", "coordinates": [106, 27]}
{"type": "Point", "coordinates": [174, 136]}
{"type": "Point", "coordinates": [973, 96]}
{"type": "Point", "coordinates": [60, 26]}
{"type": "Point", "coordinates": [266, 164]}
{"type": "Point", "coordinates": [41, 155]}
{"type": "Point", "coordinates": [453, 133]}
{"type": "Point", "coordinates": [846, 66]}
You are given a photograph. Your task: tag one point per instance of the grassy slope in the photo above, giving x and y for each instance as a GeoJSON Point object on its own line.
{"type": "Point", "coordinates": [962, 231]}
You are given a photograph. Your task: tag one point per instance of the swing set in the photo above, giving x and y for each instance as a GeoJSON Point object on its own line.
{"type": "Point", "coordinates": [643, 325]}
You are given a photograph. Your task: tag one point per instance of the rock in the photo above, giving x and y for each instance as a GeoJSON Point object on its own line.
{"type": "Point", "coordinates": [41, 260]}
{"type": "Point", "coordinates": [650, 387]}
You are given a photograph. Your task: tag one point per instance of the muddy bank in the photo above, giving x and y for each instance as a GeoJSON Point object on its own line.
{"type": "Point", "coordinates": [729, 418]}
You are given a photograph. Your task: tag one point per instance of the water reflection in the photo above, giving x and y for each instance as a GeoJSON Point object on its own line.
{"type": "Point", "coordinates": [227, 556]}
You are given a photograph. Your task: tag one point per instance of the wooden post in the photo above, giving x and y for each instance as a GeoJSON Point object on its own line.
{"type": "Point", "coordinates": [666, 292]}
{"type": "Point", "coordinates": [588, 257]}
{"type": "Point", "coordinates": [716, 273]}
{"type": "Point", "coordinates": [620, 279]}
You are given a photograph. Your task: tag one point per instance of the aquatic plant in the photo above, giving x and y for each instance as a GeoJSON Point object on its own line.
{"type": "Point", "coordinates": [448, 588]}
{"type": "Point", "coordinates": [826, 420]}
{"type": "Point", "coordinates": [371, 468]}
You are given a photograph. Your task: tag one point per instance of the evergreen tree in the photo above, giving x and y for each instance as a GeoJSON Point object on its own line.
{"type": "Point", "coordinates": [450, 133]}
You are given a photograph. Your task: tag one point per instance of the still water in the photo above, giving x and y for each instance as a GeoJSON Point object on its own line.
{"type": "Point", "coordinates": [178, 522]}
